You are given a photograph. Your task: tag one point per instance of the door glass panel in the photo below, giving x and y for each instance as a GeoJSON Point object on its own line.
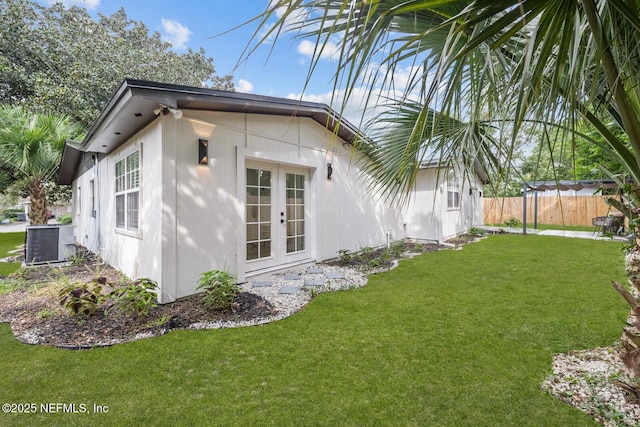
{"type": "Point", "coordinates": [252, 251]}
{"type": "Point", "coordinates": [252, 177]}
{"type": "Point", "coordinates": [265, 196]}
{"type": "Point", "coordinates": [252, 195]}
{"type": "Point", "coordinates": [265, 249]}
{"type": "Point", "coordinates": [265, 231]}
{"type": "Point", "coordinates": [265, 178]}
{"type": "Point", "coordinates": [258, 213]}
{"type": "Point", "coordinates": [265, 214]}
{"type": "Point", "coordinates": [252, 232]}
{"type": "Point", "coordinates": [295, 212]}
{"type": "Point", "coordinates": [252, 213]}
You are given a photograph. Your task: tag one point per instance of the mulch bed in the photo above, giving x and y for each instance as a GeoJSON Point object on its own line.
{"type": "Point", "coordinates": [36, 316]}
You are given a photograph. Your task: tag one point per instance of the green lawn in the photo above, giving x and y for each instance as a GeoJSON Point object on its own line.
{"type": "Point", "coordinates": [9, 242]}
{"type": "Point", "coordinates": [453, 338]}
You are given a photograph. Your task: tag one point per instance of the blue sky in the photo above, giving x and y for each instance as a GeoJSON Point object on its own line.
{"type": "Point", "coordinates": [194, 24]}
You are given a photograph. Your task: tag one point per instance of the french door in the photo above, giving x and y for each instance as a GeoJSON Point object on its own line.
{"type": "Point", "coordinates": [275, 215]}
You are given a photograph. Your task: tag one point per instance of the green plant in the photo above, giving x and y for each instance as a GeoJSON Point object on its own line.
{"type": "Point", "coordinates": [345, 256]}
{"type": "Point", "coordinates": [513, 223]}
{"type": "Point", "coordinates": [375, 262]}
{"type": "Point", "coordinates": [419, 247]}
{"type": "Point", "coordinates": [82, 299]}
{"type": "Point", "coordinates": [219, 288]}
{"type": "Point", "coordinates": [65, 219]}
{"type": "Point", "coordinates": [137, 297]}
{"type": "Point", "coordinates": [365, 253]}
{"type": "Point", "coordinates": [158, 322]}
{"type": "Point", "coordinates": [79, 257]}
{"type": "Point", "coordinates": [476, 231]}
{"type": "Point", "coordinates": [397, 248]}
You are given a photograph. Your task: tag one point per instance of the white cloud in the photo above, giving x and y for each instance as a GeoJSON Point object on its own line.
{"type": "Point", "coordinates": [330, 51]}
{"type": "Point", "coordinates": [244, 86]}
{"type": "Point", "coordinates": [357, 109]}
{"type": "Point", "coordinates": [175, 33]}
{"type": "Point", "coordinates": [87, 4]}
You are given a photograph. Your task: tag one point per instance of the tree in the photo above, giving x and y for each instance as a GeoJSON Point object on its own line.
{"type": "Point", "coordinates": [476, 67]}
{"type": "Point", "coordinates": [31, 145]}
{"type": "Point", "coordinates": [58, 59]}
{"type": "Point", "coordinates": [557, 158]}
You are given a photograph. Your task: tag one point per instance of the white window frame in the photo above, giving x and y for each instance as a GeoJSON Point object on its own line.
{"type": "Point", "coordinates": [127, 187]}
{"type": "Point", "coordinates": [453, 191]}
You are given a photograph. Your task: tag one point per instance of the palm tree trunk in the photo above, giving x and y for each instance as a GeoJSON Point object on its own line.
{"type": "Point", "coordinates": [38, 213]}
{"type": "Point", "coordinates": [631, 336]}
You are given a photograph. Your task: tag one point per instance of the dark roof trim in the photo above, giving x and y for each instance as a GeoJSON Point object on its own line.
{"type": "Point", "coordinates": [71, 156]}
{"type": "Point", "coordinates": [151, 94]}
{"type": "Point", "coordinates": [132, 108]}
{"type": "Point", "coordinates": [571, 185]}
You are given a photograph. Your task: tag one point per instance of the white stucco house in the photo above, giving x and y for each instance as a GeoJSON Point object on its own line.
{"type": "Point", "coordinates": [172, 181]}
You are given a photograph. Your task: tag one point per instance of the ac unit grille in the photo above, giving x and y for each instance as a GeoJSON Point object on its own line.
{"type": "Point", "coordinates": [48, 243]}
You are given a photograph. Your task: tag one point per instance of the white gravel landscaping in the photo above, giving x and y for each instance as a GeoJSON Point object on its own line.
{"type": "Point", "coordinates": [288, 303]}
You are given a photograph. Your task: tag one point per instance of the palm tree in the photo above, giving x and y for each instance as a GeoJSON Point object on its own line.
{"type": "Point", "coordinates": [479, 74]}
{"type": "Point", "coordinates": [32, 144]}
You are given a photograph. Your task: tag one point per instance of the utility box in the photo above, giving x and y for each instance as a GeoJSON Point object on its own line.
{"type": "Point", "coordinates": [49, 243]}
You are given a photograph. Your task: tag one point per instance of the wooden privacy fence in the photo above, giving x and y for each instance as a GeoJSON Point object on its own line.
{"type": "Point", "coordinates": [567, 210]}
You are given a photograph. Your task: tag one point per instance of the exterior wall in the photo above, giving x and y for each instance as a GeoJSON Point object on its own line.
{"type": "Point", "coordinates": [427, 216]}
{"type": "Point", "coordinates": [135, 254]}
{"type": "Point", "coordinates": [192, 217]}
{"type": "Point", "coordinates": [424, 213]}
{"type": "Point", "coordinates": [208, 202]}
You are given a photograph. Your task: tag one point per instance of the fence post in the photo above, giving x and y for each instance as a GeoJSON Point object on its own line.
{"type": "Point", "coordinates": [535, 210]}
{"type": "Point", "coordinates": [524, 208]}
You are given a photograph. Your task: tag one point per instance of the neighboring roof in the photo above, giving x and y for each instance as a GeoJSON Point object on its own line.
{"type": "Point", "coordinates": [132, 108]}
{"type": "Point", "coordinates": [477, 166]}
{"type": "Point", "coordinates": [571, 185]}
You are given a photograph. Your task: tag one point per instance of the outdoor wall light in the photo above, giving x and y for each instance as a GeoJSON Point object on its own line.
{"type": "Point", "coordinates": [177, 114]}
{"type": "Point", "coordinates": [203, 151]}
{"type": "Point", "coordinates": [329, 171]}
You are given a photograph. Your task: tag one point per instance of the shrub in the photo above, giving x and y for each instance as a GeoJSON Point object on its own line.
{"type": "Point", "coordinates": [82, 299]}
{"type": "Point", "coordinates": [513, 222]}
{"type": "Point", "coordinates": [65, 219]}
{"type": "Point", "coordinates": [366, 253]}
{"type": "Point", "coordinates": [137, 297]}
{"type": "Point", "coordinates": [475, 231]}
{"type": "Point", "coordinates": [345, 256]}
{"type": "Point", "coordinates": [398, 248]}
{"type": "Point", "coordinates": [220, 289]}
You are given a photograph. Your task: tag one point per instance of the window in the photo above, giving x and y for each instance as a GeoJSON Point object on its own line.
{"type": "Point", "coordinates": [453, 191]}
{"type": "Point", "coordinates": [128, 191]}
